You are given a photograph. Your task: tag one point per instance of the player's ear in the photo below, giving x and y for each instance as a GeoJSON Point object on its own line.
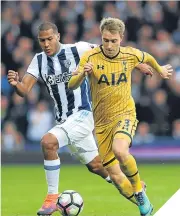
{"type": "Point", "coordinates": [58, 36]}
{"type": "Point", "coordinates": [121, 37]}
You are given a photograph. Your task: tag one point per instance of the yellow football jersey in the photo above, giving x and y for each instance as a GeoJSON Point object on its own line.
{"type": "Point", "coordinates": [110, 82]}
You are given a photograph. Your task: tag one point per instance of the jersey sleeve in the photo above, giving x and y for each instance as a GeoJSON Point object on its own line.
{"type": "Point", "coordinates": [33, 68]}
{"type": "Point", "coordinates": [82, 47]}
{"type": "Point", "coordinates": [83, 61]}
{"type": "Point", "coordinates": [139, 56]}
{"type": "Point", "coordinates": [144, 57]}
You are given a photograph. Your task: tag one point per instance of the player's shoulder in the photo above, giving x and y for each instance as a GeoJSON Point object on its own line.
{"type": "Point", "coordinates": [39, 53]}
{"type": "Point", "coordinates": [81, 45]}
{"type": "Point", "coordinates": [85, 45]}
{"type": "Point", "coordinates": [93, 51]}
{"type": "Point", "coordinates": [128, 50]}
{"type": "Point", "coordinates": [36, 58]}
{"type": "Point", "coordinates": [133, 52]}
{"type": "Point", "coordinates": [43, 54]}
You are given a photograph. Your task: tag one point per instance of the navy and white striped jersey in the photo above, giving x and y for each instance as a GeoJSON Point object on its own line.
{"type": "Point", "coordinates": [56, 72]}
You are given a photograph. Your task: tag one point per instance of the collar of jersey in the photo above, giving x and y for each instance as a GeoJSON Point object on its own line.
{"type": "Point", "coordinates": [108, 56]}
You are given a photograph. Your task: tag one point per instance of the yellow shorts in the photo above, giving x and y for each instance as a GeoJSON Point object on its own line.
{"type": "Point", "coordinates": [123, 128]}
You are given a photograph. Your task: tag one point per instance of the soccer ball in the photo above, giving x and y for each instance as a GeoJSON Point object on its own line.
{"type": "Point", "coordinates": [70, 203]}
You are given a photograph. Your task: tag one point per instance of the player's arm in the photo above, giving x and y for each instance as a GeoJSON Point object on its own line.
{"type": "Point", "coordinates": [142, 57]}
{"type": "Point", "coordinates": [145, 69]}
{"type": "Point", "coordinates": [165, 71]}
{"type": "Point", "coordinates": [148, 70]}
{"type": "Point", "coordinates": [76, 79]}
{"type": "Point", "coordinates": [22, 87]}
{"type": "Point", "coordinates": [81, 72]}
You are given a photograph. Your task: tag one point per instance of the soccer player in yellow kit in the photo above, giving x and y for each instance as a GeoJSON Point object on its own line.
{"type": "Point", "coordinates": [109, 68]}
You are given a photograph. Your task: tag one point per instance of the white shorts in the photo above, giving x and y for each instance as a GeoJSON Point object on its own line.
{"type": "Point", "coordinates": [76, 133]}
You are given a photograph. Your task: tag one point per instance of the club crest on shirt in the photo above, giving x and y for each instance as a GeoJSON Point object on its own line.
{"type": "Point", "coordinates": [125, 66]}
{"type": "Point", "coordinates": [67, 63]}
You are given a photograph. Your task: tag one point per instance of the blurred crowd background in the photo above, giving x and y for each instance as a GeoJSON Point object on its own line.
{"type": "Point", "coordinates": [151, 26]}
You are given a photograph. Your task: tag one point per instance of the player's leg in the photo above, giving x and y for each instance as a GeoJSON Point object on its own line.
{"type": "Point", "coordinates": [51, 142]}
{"type": "Point", "coordinates": [94, 164]}
{"type": "Point", "coordinates": [50, 146]}
{"type": "Point", "coordinates": [122, 138]}
{"type": "Point", "coordinates": [87, 153]}
{"type": "Point", "coordinates": [96, 167]}
{"type": "Point", "coordinates": [104, 137]}
{"type": "Point", "coordinates": [121, 182]}
{"type": "Point", "coordinates": [78, 129]}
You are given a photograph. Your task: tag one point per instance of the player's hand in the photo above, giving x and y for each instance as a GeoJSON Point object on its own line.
{"type": "Point", "coordinates": [166, 72]}
{"type": "Point", "coordinates": [88, 68]}
{"type": "Point", "coordinates": [13, 77]}
{"type": "Point", "coordinates": [145, 69]}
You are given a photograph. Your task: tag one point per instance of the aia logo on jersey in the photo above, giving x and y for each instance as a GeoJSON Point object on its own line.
{"type": "Point", "coordinates": [113, 79]}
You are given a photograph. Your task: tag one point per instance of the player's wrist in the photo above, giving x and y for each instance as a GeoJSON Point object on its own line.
{"type": "Point", "coordinates": [83, 74]}
{"type": "Point", "coordinates": [15, 85]}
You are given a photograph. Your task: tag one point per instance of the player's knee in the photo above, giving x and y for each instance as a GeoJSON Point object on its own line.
{"type": "Point", "coordinates": [121, 154]}
{"type": "Point", "coordinates": [95, 166]}
{"type": "Point", "coordinates": [49, 142]}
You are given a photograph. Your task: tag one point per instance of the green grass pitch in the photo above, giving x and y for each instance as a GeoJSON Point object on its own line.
{"type": "Point", "coordinates": [24, 188]}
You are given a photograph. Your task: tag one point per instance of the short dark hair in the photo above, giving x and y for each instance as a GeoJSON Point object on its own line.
{"type": "Point", "coordinates": [46, 26]}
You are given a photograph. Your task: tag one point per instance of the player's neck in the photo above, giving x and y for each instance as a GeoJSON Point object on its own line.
{"type": "Point", "coordinates": [110, 57]}
{"type": "Point", "coordinates": [58, 48]}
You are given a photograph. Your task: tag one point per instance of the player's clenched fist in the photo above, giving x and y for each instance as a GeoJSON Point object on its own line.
{"type": "Point", "coordinates": [145, 69]}
{"type": "Point", "coordinates": [13, 77]}
{"type": "Point", "coordinates": [88, 68]}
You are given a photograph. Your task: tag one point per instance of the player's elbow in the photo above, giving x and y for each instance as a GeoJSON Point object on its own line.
{"type": "Point", "coordinates": [21, 94]}
{"type": "Point", "coordinates": [72, 85]}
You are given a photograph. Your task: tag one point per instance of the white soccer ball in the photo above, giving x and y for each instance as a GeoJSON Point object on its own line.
{"type": "Point", "coordinates": [70, 203]}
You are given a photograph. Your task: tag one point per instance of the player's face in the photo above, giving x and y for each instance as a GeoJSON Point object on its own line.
{"type": "Point", "coordinates": [111, 43]}
{"type": "Point", "coordinates": [49, 42]}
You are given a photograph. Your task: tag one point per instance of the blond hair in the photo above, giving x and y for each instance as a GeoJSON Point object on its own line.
{"type": "Point", "coordinates": [112, 25]}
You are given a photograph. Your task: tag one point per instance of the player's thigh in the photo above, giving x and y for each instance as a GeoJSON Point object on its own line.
{"type": "Point", "coordinates": [85, 150]}
{"type": "Point", "coordinates": [79, 125]}
{"type": "Point", "coordinates": [104, 138]}
{"type": "Point", "coordinates": [125, 128]}
{"type": "Point", "coordinates": [60, 135]}
{"type": "Point", "coordinates": [76, 128]}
